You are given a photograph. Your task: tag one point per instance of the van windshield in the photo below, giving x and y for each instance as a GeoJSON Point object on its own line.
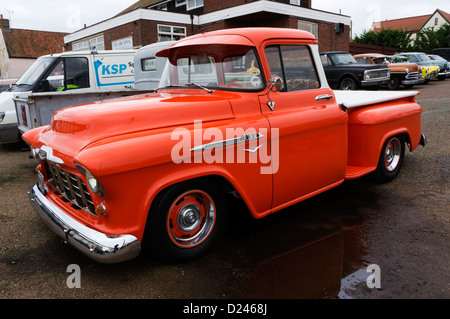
{"type": "Point", "coordinates": [215, 66]}
{"type": "Point", "coordinates": [35, 71]}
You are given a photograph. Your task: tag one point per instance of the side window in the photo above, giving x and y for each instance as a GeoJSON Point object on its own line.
{"type": "Point", "coordinates": [294, 64]}
{"type": "Point", "coordinates": [55, 80]}
{"type": "Point", "coordinates": [363, 61]}
{"type": "Point", "coordinates": [77, 73]}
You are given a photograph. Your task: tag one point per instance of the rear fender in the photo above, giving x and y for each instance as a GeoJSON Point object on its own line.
{"type": "Point", "coordinates": [370, 127]}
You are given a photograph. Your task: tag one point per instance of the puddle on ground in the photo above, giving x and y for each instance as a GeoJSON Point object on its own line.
{"type": "Point", "coordinates": [324, 268]}
{"type": "Point", "coordinates": [315, 249]}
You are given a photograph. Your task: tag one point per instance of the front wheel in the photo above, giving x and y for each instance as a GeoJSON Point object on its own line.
{"type": "Point", "coordinates": [348, 84]}
{"type": "Point", "coordinates": [391, 159]}
{"type": "Point", "coordinates": [186, 221]}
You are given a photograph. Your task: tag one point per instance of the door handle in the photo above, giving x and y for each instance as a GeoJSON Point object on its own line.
{"type": "Point", "coordinates": [324, 97]}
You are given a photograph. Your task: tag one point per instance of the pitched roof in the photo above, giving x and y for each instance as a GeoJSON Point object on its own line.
{"type": "Point", "coordinates": [140, 4]}
{"type": "Point", "coordinates": [22, 43]}
{"type": "Point", "coordinates": [407, 24]}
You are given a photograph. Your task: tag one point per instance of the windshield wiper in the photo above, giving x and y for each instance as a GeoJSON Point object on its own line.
{"type": "Point", "coordinates": [200, 86]}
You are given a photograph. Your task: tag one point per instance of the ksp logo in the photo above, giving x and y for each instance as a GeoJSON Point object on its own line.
{"type": "Point", "coordinates": [113, 69]}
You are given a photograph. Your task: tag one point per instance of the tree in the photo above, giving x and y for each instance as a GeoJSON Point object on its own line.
{"type": "Point", "coordinates": [398, 39]}
{"type": "Point", "coordinates": [429, 38]}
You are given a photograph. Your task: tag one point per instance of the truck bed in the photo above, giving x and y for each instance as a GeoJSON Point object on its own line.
{"type": "Point", "coordinates": [353, 99]}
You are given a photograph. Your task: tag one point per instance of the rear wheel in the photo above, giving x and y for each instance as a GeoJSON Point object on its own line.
{"type": "Point", "coordinates": [186, 221]}
{"type": "Point", "coordinates": [391, 159]}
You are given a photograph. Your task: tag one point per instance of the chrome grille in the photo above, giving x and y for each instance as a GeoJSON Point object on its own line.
{"type": "Point", "coordinates": [413, 76]}
{"type": "Point", "coordinates": [374, 74]}
{"type": "Point", "coordinates": [71, 187]}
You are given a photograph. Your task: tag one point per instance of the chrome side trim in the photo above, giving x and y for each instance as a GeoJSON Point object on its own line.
{"type": "Point", "coordinates": [244, 138]}
{"type": "Point", "coordinates": [94, 244]}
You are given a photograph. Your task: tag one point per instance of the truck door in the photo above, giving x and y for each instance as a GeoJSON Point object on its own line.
{"type": "Point", "coordinates": [312, 128]}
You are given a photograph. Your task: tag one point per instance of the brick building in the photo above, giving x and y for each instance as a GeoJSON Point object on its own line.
{"type": "Point", "coordinates": [19, 48]}
{"type": "Point", "coordinates": [150, 21]}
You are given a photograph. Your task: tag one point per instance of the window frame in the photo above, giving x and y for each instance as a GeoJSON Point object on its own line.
{"type": "Point", "coordinates": [283, 69]}
{"type": "Point", "coordinates": [171, 33]}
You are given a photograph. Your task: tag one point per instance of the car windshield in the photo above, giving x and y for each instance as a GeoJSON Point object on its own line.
{"type": "Point", "coordinates": [423, 57]}
{"type": "Point", "coordinates": [35, 71]}
{"type": "Point", "coordinates": [342, 58]}
{"type": "Point", "coordinates": [214, 66]}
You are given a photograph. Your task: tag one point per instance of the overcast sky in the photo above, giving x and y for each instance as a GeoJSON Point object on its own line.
{"type": "Point", "coordinates": [71, 15]}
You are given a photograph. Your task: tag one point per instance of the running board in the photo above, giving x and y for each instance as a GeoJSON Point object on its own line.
{"type": "Point", "coordinates": [353, 172]}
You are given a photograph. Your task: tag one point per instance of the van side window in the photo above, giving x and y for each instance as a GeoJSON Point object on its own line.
{"type": "Point", "coordinates": [294, 64]}
{"type": "Point", "coordinates": [77, 73]}
{"type": "Point", "coordinates": [67, 74]}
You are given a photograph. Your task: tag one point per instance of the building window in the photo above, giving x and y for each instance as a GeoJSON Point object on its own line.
{"type": "Point", "coordinates": [436, 21]}
{"type": "Point", "coordinates": [179, 3]}
{"type": "Point", "coordinates": [170, 33]}
{"type": "Point", "coordinates": [310, 27]}
{"type": "Point", "coordinates": [295, 2]}
{"type": "Point", "coordinates": [90, 44]}
{"type": "Point", "coordinates": [194, 4]}
{"type": "Point", "coordinates": [121, 44]}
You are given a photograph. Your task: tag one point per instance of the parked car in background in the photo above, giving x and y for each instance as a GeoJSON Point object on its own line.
{"type": "Point", "coordinates": [5, 84]}
{"type": "Point", "coordinates": [430, 69]}
{"type": "Point", "coordinates": [344, 73]}
{"type": "Point", "coordinates": [444, 69]}
{"type": "Point", "coordinates": [407, 74]}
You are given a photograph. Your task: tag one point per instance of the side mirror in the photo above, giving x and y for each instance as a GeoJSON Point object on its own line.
{"type": "Point", "coordinates": [275, 83]}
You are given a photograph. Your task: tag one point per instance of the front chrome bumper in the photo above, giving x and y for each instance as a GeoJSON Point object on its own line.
{"type": "Point", "coordinates": [96, 245]}
{"type": "Point", "coordinates": [375, 82]}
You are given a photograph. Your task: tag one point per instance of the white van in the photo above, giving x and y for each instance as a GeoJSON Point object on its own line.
{"type": "Point", "coordinates": [60, 80]}
{"type": "Point", "coordinates": [149, 67]}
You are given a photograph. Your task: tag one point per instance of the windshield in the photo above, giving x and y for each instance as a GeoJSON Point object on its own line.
{"type": "Point", "coordinates": [423, 57]}
{"type": "Point", "coordinates": [215, 66]}
{"type": "Point", "coordinates": [35, 71]}
{"type": "Point", "coordinates": [342, 58]}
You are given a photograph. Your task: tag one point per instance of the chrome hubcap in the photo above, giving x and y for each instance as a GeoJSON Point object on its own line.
{"type": "Point", "coordinates": [191, 218]}
{"type": "Point", "coordinates": [392, 155]}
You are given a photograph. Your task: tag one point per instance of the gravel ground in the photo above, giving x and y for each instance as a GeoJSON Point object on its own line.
{"type": "Point", "coordinates": [319, 248]}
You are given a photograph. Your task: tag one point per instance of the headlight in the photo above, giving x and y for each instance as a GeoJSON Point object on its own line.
{"type": "Point", "coordinates": [92, 182]}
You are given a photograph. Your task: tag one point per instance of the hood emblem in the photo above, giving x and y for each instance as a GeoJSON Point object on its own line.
{"type": "Point", "coordinates": [46, 153]}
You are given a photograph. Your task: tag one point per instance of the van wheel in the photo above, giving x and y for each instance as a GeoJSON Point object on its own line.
{"type": "Point", "coordinates": [186, 221]}
{"type": "Point", "coordinates": [391, 159]}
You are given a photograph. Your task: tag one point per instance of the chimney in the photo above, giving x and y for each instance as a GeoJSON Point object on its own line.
{"type": "Point", "coordinates": [4, 23]}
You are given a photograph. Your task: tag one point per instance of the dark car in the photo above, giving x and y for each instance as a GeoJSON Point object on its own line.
{"type": "Point", "coordinates": [344, 73]}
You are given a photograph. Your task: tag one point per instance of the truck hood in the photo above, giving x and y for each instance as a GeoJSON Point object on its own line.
{"type": "Point", "coordinates": [74, 128]}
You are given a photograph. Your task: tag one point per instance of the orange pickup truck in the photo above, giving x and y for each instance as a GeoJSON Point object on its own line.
{"type": "Point", "coordinates": [242, 111]}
